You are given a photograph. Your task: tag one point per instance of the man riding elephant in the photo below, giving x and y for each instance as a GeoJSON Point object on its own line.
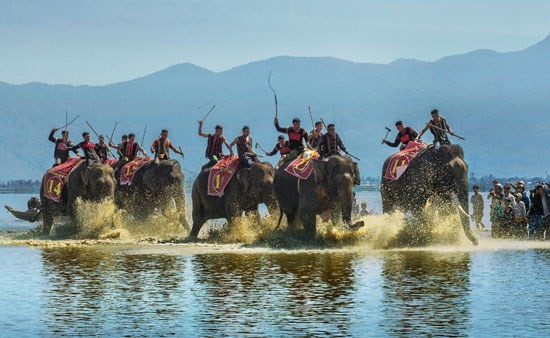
{"type": "Point", "coordinates": [437, 175]}
{"type": "Point", "coordinates": [154, 187]}
{"type": "Point", "coordinates": [90, 183]}
{"type": "Point", "coordinates": [245, 191]}
{"type": "Point", "coordinates": [327, 191]}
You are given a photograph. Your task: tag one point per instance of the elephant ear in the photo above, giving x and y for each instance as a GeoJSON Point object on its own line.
{"type": "Point", "coordinates": [84, 177]}
{"type": "Point", "coordinates": [320, 168]}
{"type": "Point", "coordinates": [356, 173]}
{"type": "Point", "coordinates": [243, 177]}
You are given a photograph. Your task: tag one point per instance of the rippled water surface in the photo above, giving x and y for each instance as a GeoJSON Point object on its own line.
{"type": "Point", "coordinates": [498, 289]}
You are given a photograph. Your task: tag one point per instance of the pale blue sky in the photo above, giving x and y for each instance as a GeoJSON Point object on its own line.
{"type": "Point", "coordinates": [99, 42]}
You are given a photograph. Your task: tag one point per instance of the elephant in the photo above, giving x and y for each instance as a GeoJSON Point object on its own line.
{"type": "Point", "coordinates": [244, 192]}
{"type": "Point", "coordinates": [329, 188]}
{"type": "Point", "coordinates": [439, 175]}
{"type": "Point", "coordinates": [90, 183]}
{"type": "Point", "coordinates": [156, 186]}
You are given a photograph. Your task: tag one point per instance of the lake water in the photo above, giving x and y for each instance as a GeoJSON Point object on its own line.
{"type": "Point", "coordinates": [120, 288]}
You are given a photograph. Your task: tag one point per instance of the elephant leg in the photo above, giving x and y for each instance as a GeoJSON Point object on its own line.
{"type": "Point", "coordinates": [197, 225]}
{"type": "Point", "coordinates": [310, 226]}
{"type": "Point", "coordinates": [291, 227]}
{"type": "Point", "coordinates": [47, 222]}
{"type": "Point", "coordinates": [179, 198]}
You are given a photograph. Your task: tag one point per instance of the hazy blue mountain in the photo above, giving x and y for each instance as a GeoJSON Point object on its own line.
{"type": "Point", "coordinates": [498, 101]}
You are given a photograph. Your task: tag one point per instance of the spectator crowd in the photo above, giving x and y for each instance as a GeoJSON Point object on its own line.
{"type": "Point", "coordinates": [514, 211]}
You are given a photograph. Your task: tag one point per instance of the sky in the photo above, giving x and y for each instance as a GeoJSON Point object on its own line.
{"type": "Point", "coordinates": [100, 42]}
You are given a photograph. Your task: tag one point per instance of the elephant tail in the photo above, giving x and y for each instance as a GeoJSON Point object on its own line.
{"type": "Point", "coordinates": [280, 219]}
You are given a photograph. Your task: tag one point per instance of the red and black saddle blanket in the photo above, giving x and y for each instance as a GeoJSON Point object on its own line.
{"type": "Point", "coordinates": [302, 167]}
{"type": "Point", "coordinates": [56, 178]}
{"type": "Point", "coordinates": [221, 173]}
{"type": "Point", "coordinates": [399, 162]}
{"type": "Point", "coordinates": [129, 170]}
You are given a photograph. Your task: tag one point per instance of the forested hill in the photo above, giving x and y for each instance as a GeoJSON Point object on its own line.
{"type": "Point", "coordinates": [499, 102]}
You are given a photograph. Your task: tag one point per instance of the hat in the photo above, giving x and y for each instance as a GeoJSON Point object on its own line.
{"type": "Point", "coordinates": [498, 185]}
{"type": "Point", "coordinates": [518, 195]}
{"type": "Point", "coordinates": [538, 186]}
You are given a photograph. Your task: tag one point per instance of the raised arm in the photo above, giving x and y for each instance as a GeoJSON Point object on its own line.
{"type": "Point", "coordinates": [279, 129]}
{"type": "Point", "coordinates": [200, 129]}
{"type": "Point", "coordinates": [51, 137]}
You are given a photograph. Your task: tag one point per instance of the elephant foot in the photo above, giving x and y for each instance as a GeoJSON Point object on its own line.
{"type": "Point", "coordinates": [191, 239]}
{"type": "Point", "coordinates": [356, 226]}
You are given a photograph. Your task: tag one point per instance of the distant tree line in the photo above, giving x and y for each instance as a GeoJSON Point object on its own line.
{"type": "Point", "coordinates": [20, 185]}
{"type": "Point", "coordinates": [485, 183]}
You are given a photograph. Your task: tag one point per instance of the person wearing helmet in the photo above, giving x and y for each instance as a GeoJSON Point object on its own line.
{"type": "Point", "coordinates": [297, 136]}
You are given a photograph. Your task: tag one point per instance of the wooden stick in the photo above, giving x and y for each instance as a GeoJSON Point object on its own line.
{"type": "Point", "coordinates": [387, 133]}
{"type": "Point", "coordinates": [96, 134]}
{"type": "Point", "coordinates": [214, 106]}
{"type": "Point", "coordinates": [311, 117]}
{"type": "Point", "coordinates": [113, 132]}
{"type": "Point", "coordinates": [68, 124]}
{"type": "Point", "coordinates": [436, 127]}
{"type": "Point", "coordinates": [143, 137]}
{"type": "Point", "coordinates": [274, 94]}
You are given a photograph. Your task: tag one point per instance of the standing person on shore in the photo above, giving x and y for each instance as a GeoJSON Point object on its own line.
{"type": "Point", "coordinates": [478, 205]}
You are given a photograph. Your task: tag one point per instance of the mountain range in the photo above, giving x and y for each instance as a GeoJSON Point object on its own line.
{"type": "Point", "coordinates": [499, 102]}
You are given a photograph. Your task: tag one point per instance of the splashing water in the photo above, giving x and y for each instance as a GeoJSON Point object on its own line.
{"type": "Point", "coordinates": [104, 220]}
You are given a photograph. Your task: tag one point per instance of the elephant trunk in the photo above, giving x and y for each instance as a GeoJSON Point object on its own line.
{"type": "Point", "coordinates": [463, 211]}
{"type": "Point", "coordinates": [103, 188]}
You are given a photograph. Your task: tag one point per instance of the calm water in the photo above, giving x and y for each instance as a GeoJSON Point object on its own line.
{"type": "Point", "coordinates": [498, 289]}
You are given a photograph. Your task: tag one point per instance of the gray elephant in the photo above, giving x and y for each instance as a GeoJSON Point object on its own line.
{"type": "Point", "coordinates": [93, 183]}
{"type": "Point", "coordinates": [439, 175]}
{"type": "Point", "coordinates": [154, 187]}
{"type": "Point", "coordinates": [245, 191]}
{"type": "Point", "coordinates": [329, 189]}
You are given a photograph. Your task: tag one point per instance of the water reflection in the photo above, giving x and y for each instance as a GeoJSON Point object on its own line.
{"type": "Point", "coordinates": [426, 294]}
{"type": "Point", "coordinates": [275, 295]}
{"type": "Point", "coordinates": [93, 292]}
